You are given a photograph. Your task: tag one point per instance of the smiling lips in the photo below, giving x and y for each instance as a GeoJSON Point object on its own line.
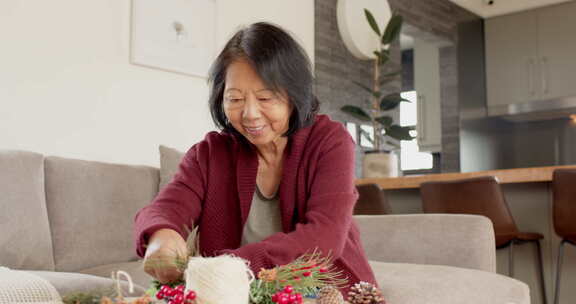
{"type": "Point", "coordinates": [255, 131]}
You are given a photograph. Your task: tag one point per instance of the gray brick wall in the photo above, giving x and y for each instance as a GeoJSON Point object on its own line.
{"type": "Point", "coordinates": [336, 67]}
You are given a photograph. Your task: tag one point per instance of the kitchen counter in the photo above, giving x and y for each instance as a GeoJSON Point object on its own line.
{"type": "Point", "coordinates": [528, 193]}
{"type": "Point", "coordinates": [505, 176]}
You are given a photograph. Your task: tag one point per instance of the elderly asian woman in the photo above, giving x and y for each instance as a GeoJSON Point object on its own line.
{"type": "Point", "coordinates": [276, 182]}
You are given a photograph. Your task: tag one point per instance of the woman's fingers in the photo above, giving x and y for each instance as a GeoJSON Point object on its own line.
{"type": "Point", "coordinates": [163, 268]}
{"type": "Point", "coordinates": [164, 249]}
{"type": "Point", "coordinates": [168, 274]}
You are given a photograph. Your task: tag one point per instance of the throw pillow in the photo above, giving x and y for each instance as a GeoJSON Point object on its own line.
{"type": "Point", "coordinates": [169, 162]}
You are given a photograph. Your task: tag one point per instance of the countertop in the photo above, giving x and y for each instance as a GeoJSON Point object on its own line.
{"type": "Point", "coordinates": [505, 176]}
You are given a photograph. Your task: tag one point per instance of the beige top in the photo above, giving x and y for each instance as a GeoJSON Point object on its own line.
{"type": "Point", "coordinates": [263, 219]}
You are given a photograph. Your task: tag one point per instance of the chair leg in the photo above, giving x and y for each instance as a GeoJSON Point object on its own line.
{"type": "Point", "coordinates": [511, 259]}
{"type": "Point", "coordinates": [541, 273]}
{"type": "Point", "coordinates": [558, 272]}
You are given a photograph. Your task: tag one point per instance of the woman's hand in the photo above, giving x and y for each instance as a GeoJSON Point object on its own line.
{"type": "Point", "coordinates": [164, 248]}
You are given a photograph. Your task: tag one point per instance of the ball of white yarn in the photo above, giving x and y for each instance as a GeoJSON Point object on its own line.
{"type": "Point", "coordinates": [219, 280]}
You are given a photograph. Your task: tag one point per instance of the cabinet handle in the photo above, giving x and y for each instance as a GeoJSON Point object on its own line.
{"type": "Point", "coordinates": [420, 122]}
{"type": "Point", "coordinates": [530, 64]}
{"type": "Point", "coordinates": [545, 80]}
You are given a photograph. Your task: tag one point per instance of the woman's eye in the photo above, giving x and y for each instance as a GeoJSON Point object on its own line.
{"type": "Point", "coordinates": [264, 99]}
{"type": "Point", "coordinates": [234, 99]}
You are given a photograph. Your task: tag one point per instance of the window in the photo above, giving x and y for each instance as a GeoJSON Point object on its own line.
{"type": "Point", "coordinates": [410, 156]}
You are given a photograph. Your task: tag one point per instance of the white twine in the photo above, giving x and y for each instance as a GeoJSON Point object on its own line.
{"type": "Point", "coordinates": [219, 280]}
{"type": "Point", "coordinates": [116, 277]}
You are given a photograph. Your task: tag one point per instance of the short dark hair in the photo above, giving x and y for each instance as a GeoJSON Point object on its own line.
{"type": "Point", "coordinates": [281, 63]}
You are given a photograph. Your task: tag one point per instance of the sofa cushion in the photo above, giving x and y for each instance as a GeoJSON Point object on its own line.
{"type": "Point", "coordinates": [460, 240]}
{"type": "Point", "coordinates": [134, 269]}
{"type": "Point", "coordinates": [423, 284]}
{"type": "Point", "coordinates": [91, 207]}
{"type": "Point", "coordinates": [169, 162]}
{"type": "Point", "coordinates": [67, 283]}
{"type": "Point", "coordinates": [25, 241]}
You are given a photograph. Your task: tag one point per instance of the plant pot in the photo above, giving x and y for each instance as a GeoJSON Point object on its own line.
{"type": "Point", "coordinates": [377, 164]}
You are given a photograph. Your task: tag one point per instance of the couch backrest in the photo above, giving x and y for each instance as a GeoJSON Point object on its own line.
{"type": "Point", "coordinates": [91, 208]}
{"type": "Point", "coordinates": [439, 239]}
{"type": "Point", "coordinates": [25, 239]}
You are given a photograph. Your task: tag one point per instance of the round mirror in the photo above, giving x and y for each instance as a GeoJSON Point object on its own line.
{"type": "Point", "coordinates": [354, 29]}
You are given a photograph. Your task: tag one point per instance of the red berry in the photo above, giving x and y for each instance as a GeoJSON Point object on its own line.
{"type": "Point", "coordinates": [323, 270]}
{"type": "Point", "coordinates": [171, 292]}
{"type": "Point", "coordinates": [160, 295]}
{"type": "Point", "coordinates": [299, 296]}
{"type": "Point", "coordinates": [181, 288]}
{"type": "Point", "coordinates": [284, 299]}
{"type": "Point", "coordinates": [307, 273]}
{"type": "Point", "coordinates": [288, 289]}
{"type": "Point", "coordinates": [178, 299]}
{"type": "Point", "coordinates": [191, 295]}
{"type": "Point", "coordinates": [296, 279]}
{"type": "Point", "coordinates": [165, 288]}
{"type": "Point", "coordinates": [275, 298]}
{"type": "Point", "coordinates": [293, 298]}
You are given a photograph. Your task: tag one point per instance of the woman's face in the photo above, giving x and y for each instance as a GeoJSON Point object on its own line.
{"type": "Point", "coordinates": [254, 110]}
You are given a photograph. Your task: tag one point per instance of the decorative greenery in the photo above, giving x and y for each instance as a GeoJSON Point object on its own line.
{"type": "Point", "coordinates": [378, 102]}
{"type": "Point", "coordinates": [82, 298]}
{"type": "Point", "coordinates": [305, 276]}
{"type": "Point", "coordinates": [102, 296]}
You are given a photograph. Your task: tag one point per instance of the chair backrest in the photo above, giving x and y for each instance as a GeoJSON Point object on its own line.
{"type": "Point", "coordinates": [371, 200]}
{"type": "Point", "coordinates": [564, 202]}
{"type": "Point", "coordinates": [481, 196]}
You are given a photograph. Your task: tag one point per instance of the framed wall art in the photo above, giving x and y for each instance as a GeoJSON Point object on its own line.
{"type": "Point", "coordinates": [174, 35]}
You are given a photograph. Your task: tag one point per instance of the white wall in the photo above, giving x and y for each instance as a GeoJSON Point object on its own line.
{"type": "Point", "coordinates": [67, 87]}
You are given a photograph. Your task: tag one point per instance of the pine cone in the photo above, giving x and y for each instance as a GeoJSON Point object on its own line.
{"type": "Point", "coordinates": [329, 295]}
{"type": "Point", "coordinates": [365, 293]}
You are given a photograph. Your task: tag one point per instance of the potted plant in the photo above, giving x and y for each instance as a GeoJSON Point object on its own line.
{"type": "Point", "coordinates": [380, 162]}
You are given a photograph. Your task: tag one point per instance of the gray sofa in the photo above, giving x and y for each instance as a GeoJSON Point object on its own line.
{"type": "Point", "coordinates": [70, 222]}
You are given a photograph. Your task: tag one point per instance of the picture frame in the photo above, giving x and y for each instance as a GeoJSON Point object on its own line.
{"type": "Point", "coordinates": [173, 35]}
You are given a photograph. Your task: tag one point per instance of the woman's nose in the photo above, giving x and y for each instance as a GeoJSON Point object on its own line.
{"type": "Point", "coordinates": [251, 108]}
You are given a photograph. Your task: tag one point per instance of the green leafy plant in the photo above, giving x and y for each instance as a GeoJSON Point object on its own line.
{"type": "Point", "coordinates": [380, 102]}
{"type": "Point", "coordinates": [304, 276]}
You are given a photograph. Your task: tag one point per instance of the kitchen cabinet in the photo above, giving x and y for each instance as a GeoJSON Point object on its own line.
{"type": "Point", "coordinates": [557, 48]}
{"type": "Point", "coordinates": [427, 85]}
{"type": "Point", "coordinates": [530, 57]}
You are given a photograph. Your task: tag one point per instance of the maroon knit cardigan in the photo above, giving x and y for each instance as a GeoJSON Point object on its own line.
{"type": "Point", "coordinates": [216, 182]}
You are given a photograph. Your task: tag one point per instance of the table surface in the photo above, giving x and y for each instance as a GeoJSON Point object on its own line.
{"type": "Point", "coordinates": [505, 176]}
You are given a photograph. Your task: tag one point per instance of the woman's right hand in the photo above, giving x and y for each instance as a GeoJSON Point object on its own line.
{"type": "Point", "coordinates": [164, 248]}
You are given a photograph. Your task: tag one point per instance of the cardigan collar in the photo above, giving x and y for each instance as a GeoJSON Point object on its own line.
{"type": "Point", "coordinates": [247, 169]}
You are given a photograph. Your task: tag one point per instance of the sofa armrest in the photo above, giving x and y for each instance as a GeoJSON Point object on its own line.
{"type": "Point", "coordinates": [440, 239]}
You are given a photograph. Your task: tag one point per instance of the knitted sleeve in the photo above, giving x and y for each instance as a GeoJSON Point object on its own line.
{"type": "Point", "coordinates": [328, 217]}
{"type": "Point", "coordinates": [177, 205]}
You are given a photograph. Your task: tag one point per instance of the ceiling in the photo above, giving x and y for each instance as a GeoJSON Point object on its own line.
{"type": "Point", "coordinates": [502, 7]}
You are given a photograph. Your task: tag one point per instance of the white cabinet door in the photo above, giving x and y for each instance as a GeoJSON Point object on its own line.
{"type": "Point", "coordinates": [511, 59]}
{"type": "Point", "coordinates": [427, 85]}
{"type": "Point", "coordinates": [557, 48]}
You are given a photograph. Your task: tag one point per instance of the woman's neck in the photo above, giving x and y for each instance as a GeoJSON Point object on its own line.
{"type": "Point", "coordinates": [271, 153]}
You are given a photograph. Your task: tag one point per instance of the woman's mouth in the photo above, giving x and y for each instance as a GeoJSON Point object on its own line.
{"type": "Point", "coordinates": [254, 131]}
